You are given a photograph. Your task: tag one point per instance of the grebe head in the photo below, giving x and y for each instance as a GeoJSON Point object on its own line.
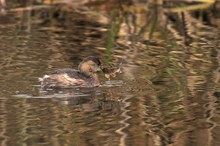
{"type": "Point", "coordinates": [89, 65]}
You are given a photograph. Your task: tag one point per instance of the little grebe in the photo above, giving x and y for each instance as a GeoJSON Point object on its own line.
{"type": "Point", "coordinates": [85, 76]}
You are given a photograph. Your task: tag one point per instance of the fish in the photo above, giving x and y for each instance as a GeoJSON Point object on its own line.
{"type": "Point", "coordinates": [111, 70]}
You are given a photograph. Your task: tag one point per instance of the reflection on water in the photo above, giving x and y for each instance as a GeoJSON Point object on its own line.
{"type": "Point", "coordinates": [168, 93]}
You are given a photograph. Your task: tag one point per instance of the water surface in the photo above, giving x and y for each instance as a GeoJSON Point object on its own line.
{"type": "Point", "coordinates": [168, 93]}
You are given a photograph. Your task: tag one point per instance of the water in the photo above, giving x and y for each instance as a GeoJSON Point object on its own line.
{"type": "Point", "coordinates": [168, 93]}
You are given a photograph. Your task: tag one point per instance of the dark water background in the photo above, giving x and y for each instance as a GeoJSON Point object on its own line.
{"type": "Point", "coordinates": [167, 95]}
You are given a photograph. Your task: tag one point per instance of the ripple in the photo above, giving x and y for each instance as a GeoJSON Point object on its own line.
{"type": "Point", "coordinates": [113, 83]}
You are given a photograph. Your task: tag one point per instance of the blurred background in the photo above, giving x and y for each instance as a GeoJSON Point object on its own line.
{"type": "Point", "coordinates": [167, 95]}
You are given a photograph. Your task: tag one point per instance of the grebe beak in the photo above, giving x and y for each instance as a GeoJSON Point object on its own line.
{"type": "Point", "coordinates": [99, 68]}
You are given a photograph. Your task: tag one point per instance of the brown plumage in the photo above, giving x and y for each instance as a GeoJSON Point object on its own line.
{"type": "Point", "coordinates": [85, 76]}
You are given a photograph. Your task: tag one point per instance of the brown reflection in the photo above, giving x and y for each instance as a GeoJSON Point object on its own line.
{"type": "Point", "coordinates": [170, 56]}
{"type": "Point", "coordinates": [66, 124]}
{"type": "Point", "coordinates": [124, 122]}
{"type": "Point", "coordinates": [3, 122]}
